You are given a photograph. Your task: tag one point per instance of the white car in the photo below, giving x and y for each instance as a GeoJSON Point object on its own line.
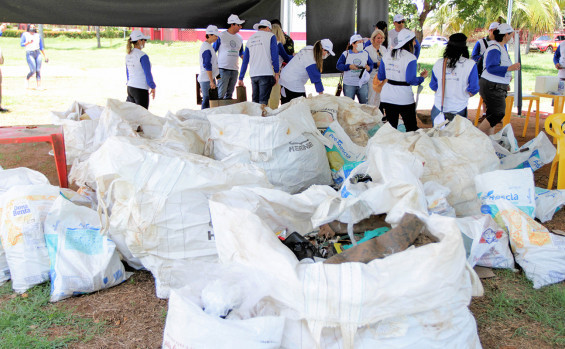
{"type": "Point", "coordinates": [430, 41]}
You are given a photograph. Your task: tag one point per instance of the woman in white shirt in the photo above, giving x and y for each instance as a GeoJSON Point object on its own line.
{"type": "Point", "coordinates": [461, 79]}
{"type": "Point", "coordinates": [353, 63]}
{"type": "Point", "coordinates": [138, 70]}
{"type": "Point", "coordinates": [399, 67]}
{"type": "Point", "coordinates": [307, 64]}
{"type": "Point", "coordinates": [376, 51]}
{"type": "Point", "coordinates": [33, 44]}
{"type": "Point", "coordinates": [495, 79]}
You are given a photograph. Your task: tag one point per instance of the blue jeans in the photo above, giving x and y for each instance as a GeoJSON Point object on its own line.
{"type": "Point", "coordinates": [362, 92]}
{"type": "Point", "coordinates": [261, 87]}
{"type": "Point", "coordinates": [33, 59]}
{"type": "Point", "coordinates": [435, 111]}
{"type": "Point", "coordinates": [226, 84]}
{"type": "Point", "coordinates": [205, 88]}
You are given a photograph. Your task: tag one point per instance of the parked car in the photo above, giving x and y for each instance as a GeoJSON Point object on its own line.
{"type": "Point", "coordinates": [546, 44]}
{"type": "Point", "coordinates": [434, 40]}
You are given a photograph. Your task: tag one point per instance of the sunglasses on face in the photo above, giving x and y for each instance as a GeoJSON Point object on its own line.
{"type": "Point", "coordinates": [401, 22]}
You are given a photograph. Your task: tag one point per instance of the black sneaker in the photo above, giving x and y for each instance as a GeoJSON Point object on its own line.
{"type": "Point", "coordinates": [3, 110]}
{"type": "Point", "coordinates": [300, 246]}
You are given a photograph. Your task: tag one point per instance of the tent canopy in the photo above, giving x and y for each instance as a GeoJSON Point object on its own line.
{"type": "Point", "coordinates": [138, 13]}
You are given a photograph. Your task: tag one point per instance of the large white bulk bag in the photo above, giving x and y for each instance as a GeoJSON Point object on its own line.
{"type": "Point", "coordinates": [288, 146]}
{"type": "Point", "coordinates": [452, 157]}
{"type": "Point", "coordinates": [156, 200]}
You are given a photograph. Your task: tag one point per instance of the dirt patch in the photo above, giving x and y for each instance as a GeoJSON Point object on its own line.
{"type": "Point", "coordinates": [136, 317]}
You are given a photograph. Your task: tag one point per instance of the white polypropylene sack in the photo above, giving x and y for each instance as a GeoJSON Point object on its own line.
{"type": "Point", "coordinates": [548, 202]}
{"type": "Point", "coordinates": [23, 215]}
{"type": "Point", "coordinates": [540, 253]}
{"type": "Point", "coordinates": [452, 157]}
{"type": "Point", "coordinates": [82, 259]}
{"type": "Point", "coordinates": [516, 186]}
{"type": "Point", "coordinates": [534, 154]}
{"type": "Point", "coordinates": [436, 196]}
{"type": "Point", "coordinates": [158, 201]}
{"type": "Point", "coordinates": [352, 296]}
{"type": "Point", "coordinates": [188, 326]}
{"type": "Point", "coordinates": [79, 125]}
{"type": "Point", "coordinates": [8, 179]}
{"type": "Point", "coordinates": [486, 243]}
{"type": "Point", "coordinates": [287, 146]}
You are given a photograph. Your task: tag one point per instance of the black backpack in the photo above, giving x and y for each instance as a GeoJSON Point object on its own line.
{"type": "Point", "coordinates": [481, 62]}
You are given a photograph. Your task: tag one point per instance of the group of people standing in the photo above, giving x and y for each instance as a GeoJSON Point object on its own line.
{"type": "Point", "coordinates": [389, 59]}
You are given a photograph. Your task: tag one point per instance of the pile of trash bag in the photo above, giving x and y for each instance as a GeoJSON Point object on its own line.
{"type": "Point", "coordinates": [312, 225]}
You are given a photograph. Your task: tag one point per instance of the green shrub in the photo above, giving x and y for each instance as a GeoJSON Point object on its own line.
{"type": "Point", "coordinates": [109, 34]}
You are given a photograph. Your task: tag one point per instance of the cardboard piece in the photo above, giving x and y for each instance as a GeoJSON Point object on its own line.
{"type": "Point", "coordinates": [484, 272]}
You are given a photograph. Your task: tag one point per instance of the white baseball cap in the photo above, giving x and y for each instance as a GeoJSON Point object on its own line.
{"type": "Point", "coordinates": [137, 35]}
{"type": "Point", "coordinates": [328, 46]}
{"type": "Point", "coordinates": [398, 18]}
{"type": "Point", "coordinates": [234, 19]}
{"type": "Point", "coordinates": [493, 25]}
{"type": "Point", "coordinates": [355, 37]}
{"type": "Point", "coordinates": [212, 29]}
{"type": "Point", "coordinates": [262, 23]}
{"type": "Point", "coordinates": [404, 36]}
{"type": "Point", "coordinates": [505, 28]}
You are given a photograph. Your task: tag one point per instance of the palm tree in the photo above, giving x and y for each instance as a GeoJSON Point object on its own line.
{"type": "Point", "coordinates": [535, 16]}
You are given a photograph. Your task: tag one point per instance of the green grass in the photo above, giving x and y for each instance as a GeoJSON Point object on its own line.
{"type": "Point", "coordinates": [32, 322]}
{"type": "Point", "coordinates": [512, 299]}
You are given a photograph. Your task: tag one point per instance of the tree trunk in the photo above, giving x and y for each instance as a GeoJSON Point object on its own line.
{"type": "Point", "coordinates": [530, 37]}
{"type": "Point", "coordinates": [422, 18]}
{"type": "Point", "coordinates": [98, 36]}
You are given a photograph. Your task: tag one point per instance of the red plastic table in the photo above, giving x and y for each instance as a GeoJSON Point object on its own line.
{"type": "Point", "coordinates": [40, 133]}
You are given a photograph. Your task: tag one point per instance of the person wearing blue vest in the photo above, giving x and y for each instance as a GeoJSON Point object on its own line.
{"type": "Point", "coordinates": [356, 65]}
{"type": "Point", "coordinates": [398, 67]}
{"type": "Point", "coordinates": [229, 47]}
{"type": "Point", "coordinates": [138, 71]}
{"type": "Point", "coordinates": [208, 65]}
{"type": "Point", "coordinates": [33, 44]}
{"type": "Point", "coordinates": [461, 79]}
{"type": "Point", "coordinates": [495, 80]}
{"type": "Point", "coordinates": [559, 61]}
{"type": "Point", "coordinates": [262, 56]}
{"type": "Point", "coordinates": [307, 64]}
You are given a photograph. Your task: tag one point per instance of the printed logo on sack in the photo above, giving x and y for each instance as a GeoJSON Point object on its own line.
{"type": "Point", "coordinates": [534, 162]}
{"type": "Point", "coordinates": [490, 236]}
{"type": "Point", "coordinates": [232, 44]}
{"type": "Point", "coordinates": [84, 240]}
{"type": "Point", "coordinates": [339, 145]}
{"type": "Point", "coordinates": [20, 210]}
{"type": "Point", "coordinates": [300, 146]}
{"type": "Point", "coordinates": [510, 197]}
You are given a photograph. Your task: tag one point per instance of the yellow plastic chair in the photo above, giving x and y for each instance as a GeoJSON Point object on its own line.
{"type": "Point", "coordinates": [555, 127]}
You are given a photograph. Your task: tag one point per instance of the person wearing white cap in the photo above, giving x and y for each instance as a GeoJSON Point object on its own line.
{"type": "Point", "coordinates": [376, 51]}
{"type": "Point", "coordinates": [262, 55]}
{"type": "Point", "coordinates": [481, 45]}
{"type": "Point", "coordinates": [353, 63]}
{"type": "Point", "coordinates": [400, 23]}
{"type": "Point", "coordinates": [495, 80]}
{"type": "Point", "coordinates": [138, 70]}
{"type": "Point", "coordinates": [399, 67]}
{"type": "Point", "coordinates": [228, 56]}
{"type": "Point", "coordinates": [208, 65]}
{"type": "Point", "coordinates": [307, 64]}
